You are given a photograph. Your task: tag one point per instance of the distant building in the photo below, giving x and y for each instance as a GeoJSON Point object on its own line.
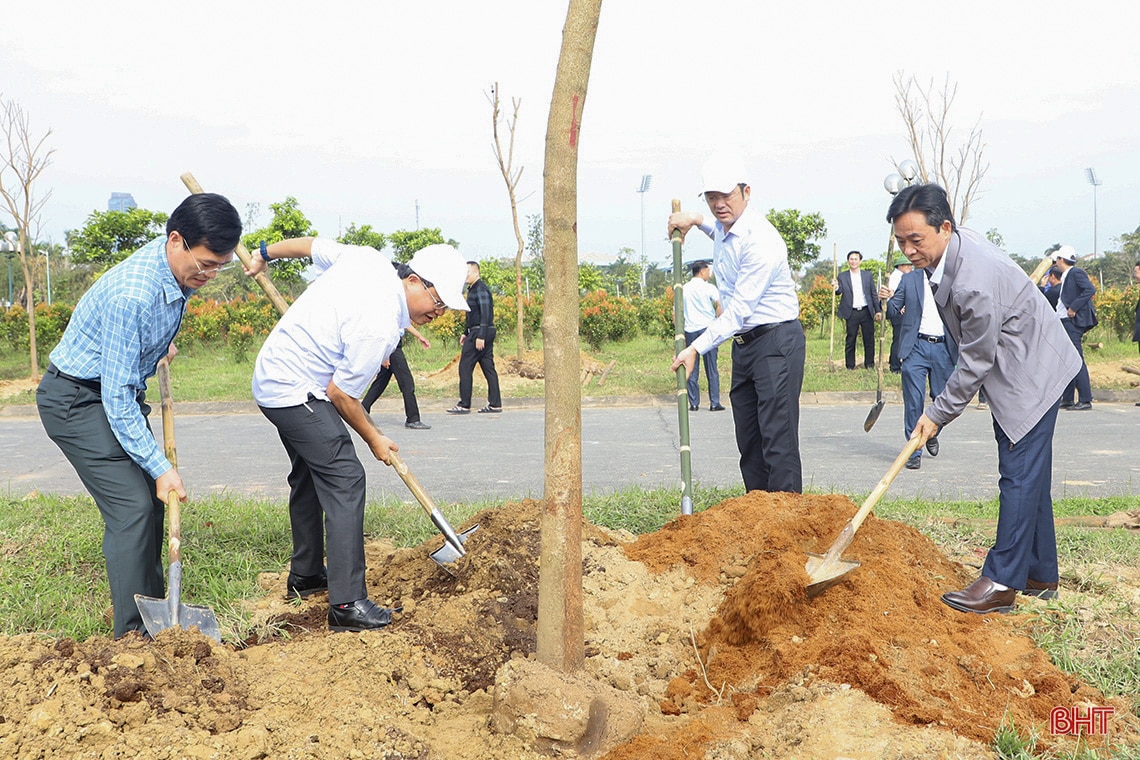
{"type": "Point", "coordinates": [121, 202]}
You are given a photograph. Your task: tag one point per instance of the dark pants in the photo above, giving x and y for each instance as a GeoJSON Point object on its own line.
{"type": "Point", "coordinates": [860, 320]}
{"type": "Point", "coordinates": [1080, 384]}
{"type": "Point", "coordinates": [398, 367]}
{"type": "Point", "coordinates": [468, 358]}
{"type": "Point", "coordinates": [326, 496]}
{"type": "Point", "coordinates": [133, 516]}
{"type": "Point", "coordinates": [895, 364]}
{"type": "Point", "coordinates": [1026, 545]}
{"type": "Point", "coordinates": [767, 376]}
{"type": "Point", "coordinates": [712, 374]}
{"type": "Point", "coordinates": [926, 363]}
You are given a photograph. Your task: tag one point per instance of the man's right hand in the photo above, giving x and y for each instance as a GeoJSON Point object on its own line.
{"type": "Point", "coordinates": [167, 481]}
{"type": "Point", "coordinates": [687, 358]}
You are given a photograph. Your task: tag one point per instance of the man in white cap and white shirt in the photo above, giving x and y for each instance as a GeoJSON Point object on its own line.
{"type": "Point", "coordinates": [1075, 308]}
{"type": "Point", "coordinates": [760, 315]}
{"type": "Point", "coordinates": [308, 380]}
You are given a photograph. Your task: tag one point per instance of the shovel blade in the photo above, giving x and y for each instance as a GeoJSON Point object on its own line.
{"type": "Point", "coordinates": [160, 614]}
{"type": "Point", "coordinates": [447, 555]}
{"type": "Point", "coordinates": [873, 416]}
{"type": "Point", "coordinates": [824, 572]}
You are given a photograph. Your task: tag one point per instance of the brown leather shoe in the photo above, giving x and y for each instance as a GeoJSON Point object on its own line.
{"type": "Point", "coordinates": [981, 597]}
{"type": "Point", "coordinates": [1039, 589]}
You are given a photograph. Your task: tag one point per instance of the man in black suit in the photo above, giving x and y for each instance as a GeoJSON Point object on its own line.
{"type": "Point", "coordinates": [1077, 314]}
{"type": "Point", "coordinates": [859, 307]}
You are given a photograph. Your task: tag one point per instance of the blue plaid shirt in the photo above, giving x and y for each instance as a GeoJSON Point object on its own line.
{"type": "Point", "coordinates": [119, 331]}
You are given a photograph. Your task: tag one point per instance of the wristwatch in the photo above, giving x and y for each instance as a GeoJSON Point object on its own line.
{"type": "Point", "coordinates": [265, 253]}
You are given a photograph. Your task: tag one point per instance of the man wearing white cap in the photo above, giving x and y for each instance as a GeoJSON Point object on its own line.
{"type": "Point", "coordinates": [308, 380]}
{"type": "Point", "coordinates": [760, 315]}
{"type": "Point", "coordinates": [1075, 308]}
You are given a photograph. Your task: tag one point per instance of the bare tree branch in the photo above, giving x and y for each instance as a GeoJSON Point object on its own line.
{"type": "Point", "coordinates": [511, 177]}
{"type": "Point", "coordinates": [926, 113]}
{"type": "Point", "coordinates": [23, 161]}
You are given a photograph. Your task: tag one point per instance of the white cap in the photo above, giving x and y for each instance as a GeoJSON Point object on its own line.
{"type": "Point", "coordinates": [443, 267]}
{"type": "Point", "coordinates": [1066, 252]}
{"type": "Point", "coordinates": [722, 173]}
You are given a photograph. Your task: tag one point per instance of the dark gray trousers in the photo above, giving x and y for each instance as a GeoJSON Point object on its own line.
{"type": "Point", "coordinates": [326, 496]}
{"type": "Point", "coordinates": [133, 517]}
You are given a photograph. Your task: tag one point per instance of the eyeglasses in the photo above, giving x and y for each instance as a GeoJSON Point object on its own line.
{"type": "Point", "coordinates": [439, 305]}
{"type": "Point", "coordinates": [213, 269]}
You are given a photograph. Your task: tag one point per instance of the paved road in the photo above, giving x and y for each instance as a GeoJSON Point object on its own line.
{"type": "Point", "coordinates": [233, 449]}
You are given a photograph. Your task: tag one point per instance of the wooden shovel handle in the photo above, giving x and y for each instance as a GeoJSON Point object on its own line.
{"type": "Point", "coordinates": [884, 483]}
{"type": "Point", "coordinates": [163, 374]}
{"type": "Point", "coordinates": [262, 278]}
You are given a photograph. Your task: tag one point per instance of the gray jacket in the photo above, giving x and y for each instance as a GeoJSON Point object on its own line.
{"type": "Point", "coordinates": [1008, 338]}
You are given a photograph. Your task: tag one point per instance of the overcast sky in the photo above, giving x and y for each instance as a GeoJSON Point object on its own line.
{"type": "Point", "coordinates": [364, 110]}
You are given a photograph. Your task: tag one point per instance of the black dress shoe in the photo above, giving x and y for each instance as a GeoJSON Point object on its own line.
{"type": "Point", "coordinates": [719, 408]}
{"type": "Point", "coordinates": [981, 597]}
{"type": "Point", "coordinates": [694, 408]}
{"type": "Point", "coordinates": [361, 615]}
{"type": "Point", "coordinates": [1066, 404]}
{"type": "Point", "coordinates": [417, 425]}
{"type": "Point", "coordinates": [932, 446]}
{"type": "Point", "coordinates": [914, 464]}
{"type": "Point", "coordinates": [1039, 589]}
{"type": "Point", "coordinates": [301, 586]}
{"type": "Point", "coordinates": [1082, 406]}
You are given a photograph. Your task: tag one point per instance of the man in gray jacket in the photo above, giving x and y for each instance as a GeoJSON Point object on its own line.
{"type": "Point", "coordinates": [1010, 341]}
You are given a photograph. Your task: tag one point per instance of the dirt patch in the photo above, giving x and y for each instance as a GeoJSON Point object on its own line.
{"type": "Point", "coordinates": [703, 624]}
{"type": "Point", "coordinates": [22, 391]}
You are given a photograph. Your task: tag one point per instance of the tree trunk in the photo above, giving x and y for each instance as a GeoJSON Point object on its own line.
{"type": "Point", "coordinates": [30, 303]}
{"type": "Point", "coordinates": [561, 637]}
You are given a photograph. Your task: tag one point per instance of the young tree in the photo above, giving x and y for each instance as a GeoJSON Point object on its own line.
{"type": "Point", "coordinates": [798, 231]}
{"type": "Point", "coordinates": [511, 177]}
{"type": "Point", "coordinates": [405, 243]}
{"type": "Point", "coordinates": [363, 235]}
{"type": "Point", "coordinates": [288, 222]}
{"type": "Point", "coordinates": [926, 114]}
{"type": "Point", "coordinates": [536, 267]}
{"type": "Point", "coordinates": [108, 237]}
{"type": "Point", "coordinates": [561, 635]}
{"type": "Point", "coordinates": [23, 160]}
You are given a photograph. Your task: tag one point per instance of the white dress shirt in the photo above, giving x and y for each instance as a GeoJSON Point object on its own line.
{"type": "Point", "coordinates": [700, 300]}
{"type": "Point", "coordinates": [750, 262]}
{"type": "Point", "coordinates": [343, 328]}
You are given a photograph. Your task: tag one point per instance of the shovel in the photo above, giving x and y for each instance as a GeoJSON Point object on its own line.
{"type": "Point", "coordinates": [827, 569]}
{"type": "Point", "coordinates": [160, 614]}
{"type": "Point", "coordinates": [877, 409]}
{"type": "Point", "coordinates": [452, 548]}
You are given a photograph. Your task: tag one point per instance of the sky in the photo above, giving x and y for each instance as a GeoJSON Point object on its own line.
{"type": "Point", "coordinates": [378, 113]}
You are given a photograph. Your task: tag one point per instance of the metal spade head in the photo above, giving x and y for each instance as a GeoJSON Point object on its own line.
{"type": "Point", "coordinates": [452, 550]}
{"type": "Point", "coordinates": [873, 415]}
{"type": "Point", "coordinates": [823, 574]}
{"type": "Point", "coordinates": [160, 614]}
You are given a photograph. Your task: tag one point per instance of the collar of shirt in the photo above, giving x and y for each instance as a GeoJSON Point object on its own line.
{"type": "Point", "coordinates": [935, 274]}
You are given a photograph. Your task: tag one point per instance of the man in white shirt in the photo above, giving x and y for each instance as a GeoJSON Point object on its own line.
{"type": "Point", "coordinates": [702, 305]}
{"type": "Point", "coordinates": [760, 314]}
{"type": "Point", "coordinates": [308, 380]}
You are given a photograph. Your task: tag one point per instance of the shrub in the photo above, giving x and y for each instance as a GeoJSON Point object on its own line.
{"type": "Point", "coordinates": [239, 339]}
{"type": "Point", "coordinates": [1116, 310]}
{"type": "Point", "coordinates": [605, 318]}
{"type": "Point", "coordinates": [815, 304]}
{"type": "Point", "coordinates": [655, 315]}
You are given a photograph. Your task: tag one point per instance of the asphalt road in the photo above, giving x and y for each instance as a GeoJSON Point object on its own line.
{"type": "Point", "coordinates": [233, 449]}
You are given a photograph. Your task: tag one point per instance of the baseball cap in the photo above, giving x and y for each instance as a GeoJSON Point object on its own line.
{"type": "Point", "coordinates": [1066, 252]}
{"type": "Point", "coordinates": [722, 173]}
{"type": "Point", "coordinates": [446, 269]}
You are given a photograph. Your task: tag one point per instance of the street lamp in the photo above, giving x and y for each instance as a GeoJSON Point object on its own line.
{"type": "Point", "coordinates": [1090, 173]}
{"type": "Point", "coordinates": [646, 179]}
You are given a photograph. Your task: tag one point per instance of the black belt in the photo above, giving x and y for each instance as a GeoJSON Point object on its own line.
{"type": "Point", "coordinates": [747, 337]}
{"type": "Point", "coordinates": [89, 383]}
{"type": "Point", "coordinates": [933, 338]}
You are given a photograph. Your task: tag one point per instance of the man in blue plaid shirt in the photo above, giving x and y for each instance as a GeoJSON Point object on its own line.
{"type": "Point", "coordinates": [92, 397]}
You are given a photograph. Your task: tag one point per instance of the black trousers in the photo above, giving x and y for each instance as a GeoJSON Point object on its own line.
{"type": "Point", "coordinates": [860, 320]}
{"type": "Point", "coordinates": [398, 368]}
{"type": "Point", "coordinates": [133, 516]}
{"type": "Point", "coordinates": [1080, 384]}
{"type": "Point", "coordinates": [326, 496]}
{"type": "Point", "coordinates": [468, 358]}
{"type": "Point", "coordinates": [767, 376]}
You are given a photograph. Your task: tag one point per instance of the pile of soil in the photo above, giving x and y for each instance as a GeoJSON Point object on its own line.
{"type": "Point", "coordinates": [704, 624]}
